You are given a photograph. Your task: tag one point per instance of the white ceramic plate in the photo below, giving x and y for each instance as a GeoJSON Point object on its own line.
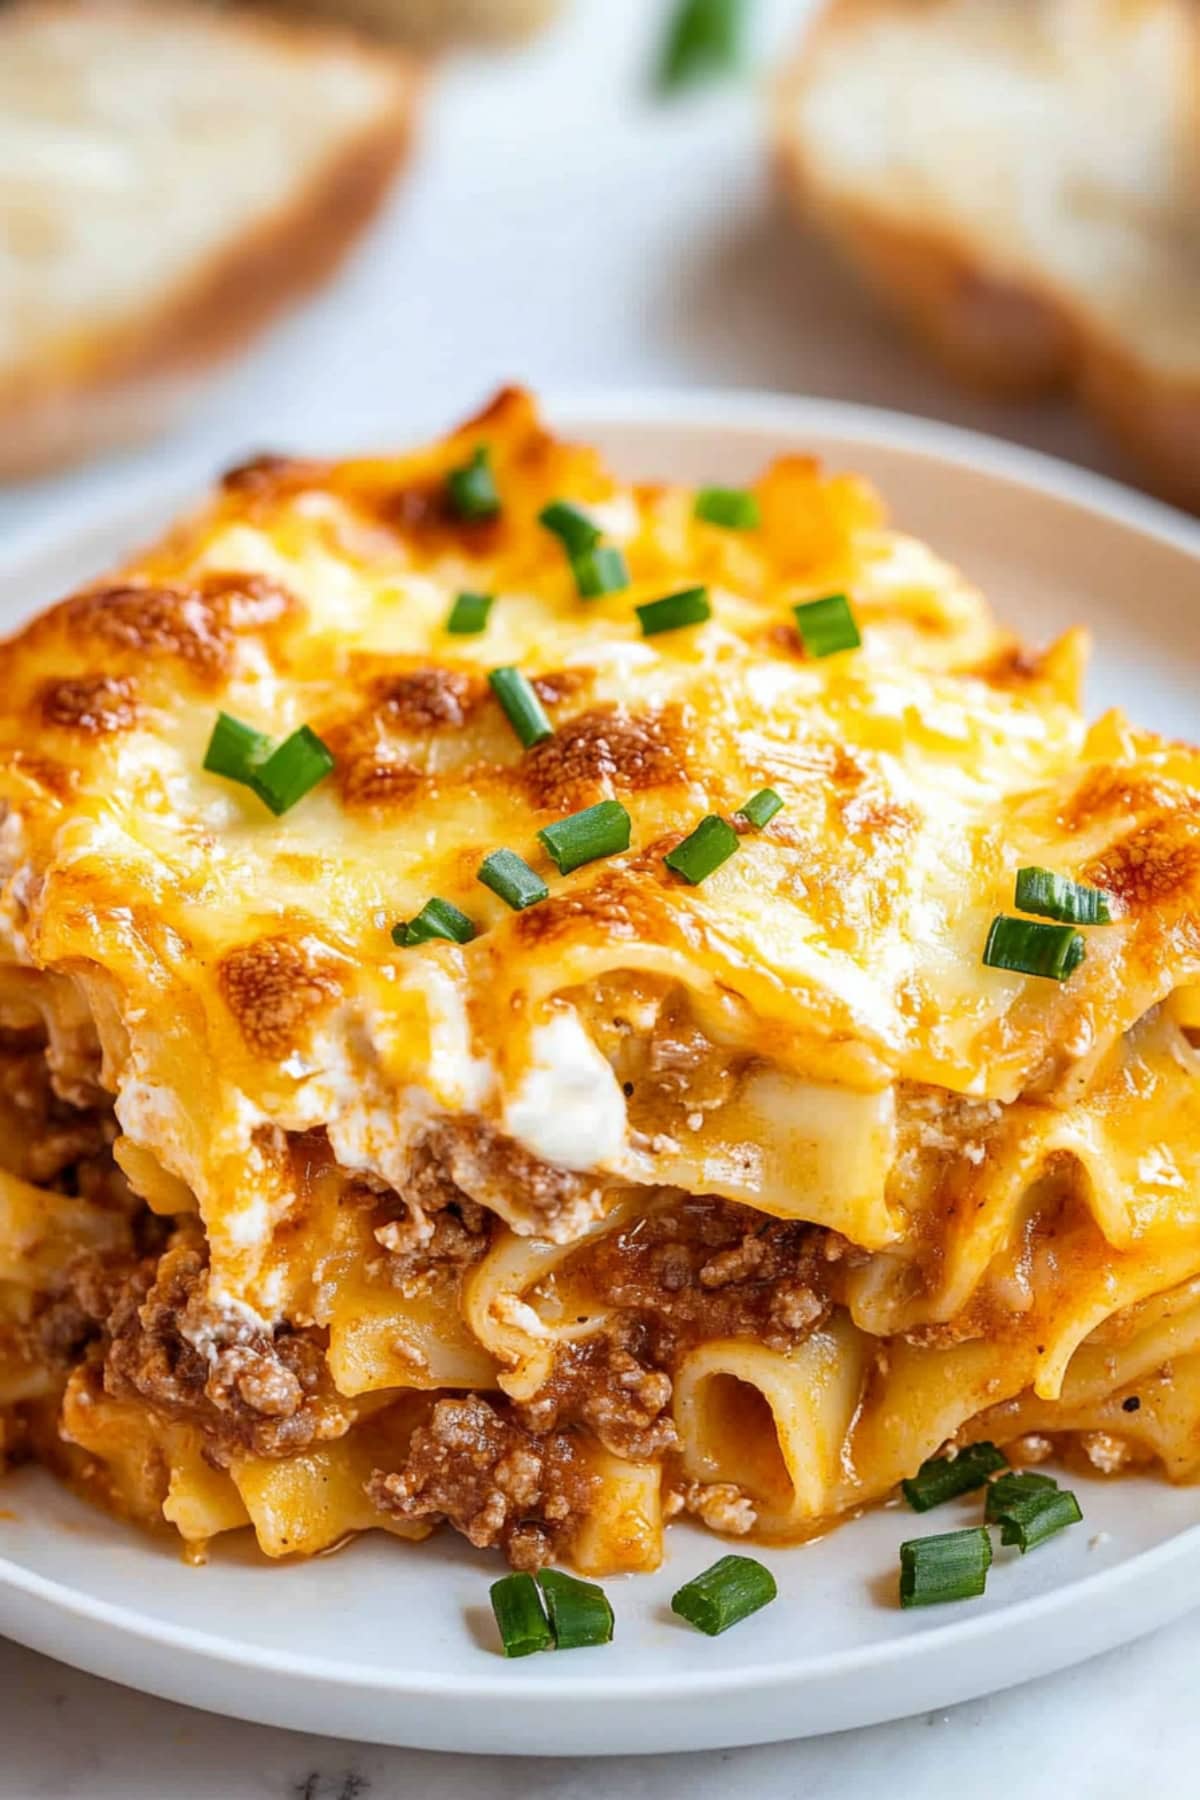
{"type": "Point", "coordinates": [394, 1643]}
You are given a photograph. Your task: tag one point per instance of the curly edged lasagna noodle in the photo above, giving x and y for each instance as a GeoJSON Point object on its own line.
{"type": "Point", "coordinates": [740, 1198]}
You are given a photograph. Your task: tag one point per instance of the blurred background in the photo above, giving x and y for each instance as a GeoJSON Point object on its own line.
{"type": "Point", "coordinates": [224, 230]}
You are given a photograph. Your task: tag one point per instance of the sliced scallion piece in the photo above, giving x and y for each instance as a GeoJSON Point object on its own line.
{"type": "Point", "coordinates": [234, 749]}
{"type": "Point", "coordinates": [522, 708]}
{"type": "Point", "coordinates": [733, 508]}
{"type": "Point", "coordinates": [471, 489]}
{"type": "Point", "coordinates": [1017, 1484]}
{"type": "Point", "coordinates": [712, 843]}
{"type": "Point", "coordinates": [689, 607]}
{"type": "Point", "coordinates": [942, 1478]}
{"type": "Point", "coordinates": [510, 876]}
{"type": "Point", "coordinates": [469, 614]}
{"type": "Point", "coordinates": [761, 808]}
{"type": "Point", "coordinates": [1028, 947]}
{"type": "Point", "coordinates": [279, 777]}
{"type": "Point", "coordinates": [951, 1566]}
{"type": "Point", "coordinates": [1055, 897]}
{"type": "Point", "coordinates": [436, 919]}
{"type": "Point", "coordinates": [522, 1623]}
{"type": "Point", "coordinates": [582, 837]}
{"type": "Point", "coordinates": [827, 626]}
{"type": "Point", "coordinates": [704, 40]}
{"type": "Point", "coordinates": [292, 770]}
{"type": "Point", "coordinates": [1029, 1519]}
{"type": "Point", "coordinates": [580, 1614]}
{"type": "Point", "coordinates": [602, 570]}
{"type": "Point", "coordinates": [731, 1590]}
{"type": "Point", "coordinates": [571, 526]}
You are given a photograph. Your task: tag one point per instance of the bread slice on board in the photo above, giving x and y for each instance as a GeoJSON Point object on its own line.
{"type": "Point", "coordinates": [433, 24]}
{"type": "Point", "coordinates": [1021, 178]}
{"type": "Point", "coordinates": [170, 178]}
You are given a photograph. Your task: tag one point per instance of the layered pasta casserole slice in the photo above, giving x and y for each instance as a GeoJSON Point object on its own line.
{"type": "Point", "coordinates": [546, 1005]}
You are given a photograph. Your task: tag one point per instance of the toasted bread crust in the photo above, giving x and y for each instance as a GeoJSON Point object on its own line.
{"type": "Point", "coordinates": [143, 373]}
{"type": "Point", "coordinates": [1009, 337]}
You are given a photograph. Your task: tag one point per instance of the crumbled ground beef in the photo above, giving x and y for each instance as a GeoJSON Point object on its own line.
{"type": "Point", "coordinates": [249, 1390]}
{"type": "Point", "coordinates": [48, 1138]}
{"type": "Point", "coordinates": [471, 1157]}
{"type": "Point", "coordinates": [706, 1268]}
{"type": "Point", "coordinates": [603, 1384]}
{"type": "Point", "coordinates": [721, 1505]}
{"type": "Point", "coordinates": [430, 1229]}
{"type": "Point", "coordinates": [475, 1466]}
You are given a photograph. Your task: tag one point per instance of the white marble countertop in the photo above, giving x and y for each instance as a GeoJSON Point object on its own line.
{"type": "Point", "coordinates": [561, 228]}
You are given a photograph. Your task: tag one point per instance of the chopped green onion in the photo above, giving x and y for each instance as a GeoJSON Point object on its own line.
{"type": "Point", "coordinates": [436, 919]}
{"type": "Point", "coordinates": [945, 1477]}
{"type": "Point", "coordinates": [730, 1591]}
{"type": "Point", "coordinates": [522, 708]}
{"type": "Point", "coordinates": [234, 749]}
{"type": "Point", "coordinates": [601, 830]}
{"type": "Point", "coordinates": [522, 1623]}
{"type": "Point", "coordinates": [827, 626]}
{"type": "Point", "coordinates": [690, 607]}
{"type": "Point", "coordinates": [951, 1566]}
{"type": "Point", "coordinates": [1030, 948]}
{"type": "Point", "coordinates": [510, 876]}
{"type": "Point", "coordinates": [704, 40]}
{"type": "Point", "coordinates": [712, 843]}
{"type": "Point", "coordinates": [761, 808]}
{"type": "Point", "coordinates": [279, 777]}
{"type": "Point", "coordinates": [1017, 1484]}
{"type": "Point", "coordinates": [1029, 1519]}
{"type": "Point", "coordinates": [602, 570]}
{"type": "Point", "coordinates": [571, 526]}
{"type": "Point", "coordinates": [469, 614]}
{"type": "Point", "coordinates": [580, 1614]}
{"type": "Point", "coordinates": [1055, 897]}
{"type": "Point", "coordinates": [733, 508]}
{"type": "Point", "coordinates": [292, 770]}
{"type": "Point", "coordinates": [472, 489]}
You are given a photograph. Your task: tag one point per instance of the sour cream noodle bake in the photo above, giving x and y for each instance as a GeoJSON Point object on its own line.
{"type": "Point", "coordinates": [543, 1005]}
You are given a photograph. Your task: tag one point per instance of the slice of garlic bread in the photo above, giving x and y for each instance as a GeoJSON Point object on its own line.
{"type": "Point", "coordinates": [170, 178]}
{"type": "Point", "coordinates": [432, 24]}
{"type": "Point", "coordinates": [1022, 179]}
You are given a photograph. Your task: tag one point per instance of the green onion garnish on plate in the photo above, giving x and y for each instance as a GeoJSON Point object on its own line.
{"type": "Point", "coordinates": [704, 41]}
{"type": "Point", "coordinates": [279, 777]}
{"type": "Point", "coordinates": [1016, 1484]}
{"type": "Point", "coordinates": [1028, 1519]}
{"type": "Point", "coordinates": [582, 837]}
{"type": "Point", "coordinates": [521, 1621]}
{"type": "Point", "coordinates": [730, 1591]}
{"type": "Point", "coordinates": [580, 1614]}
{"type": "Point", "coordinates": [469, 614]}
{"type": "Point", "coordinates": [471, 489]}
{"type": "Point", "coordinates": [571, 526]}
{"type": "Point", "coordinates": [689, 607]}
{"type": "Point", "coordinates": [733, 508]}
{"type": "Point", "coordinates": [602, 570]}
{"type": "Point", "coordinates": [951, 1566]}
{"type": "Point", "coordinates": [1055, 897]}
{"type": "Point", "coordinates": [1028, 947]}
{"type": "Point", "coordinates": [510, 876]}
{"type": "Point", "coordinates": [436, 919]}
{"type": "Point", "coordinates": [943, 1478]}
{"type": "Point", "coordinates": [761, 808]}
{"type": "Point", "coordinates": [522, 708]}
{"type": "Point", "coordinates": [826, 626]}
{"type": "Point", "coordinates": [712, 843]}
